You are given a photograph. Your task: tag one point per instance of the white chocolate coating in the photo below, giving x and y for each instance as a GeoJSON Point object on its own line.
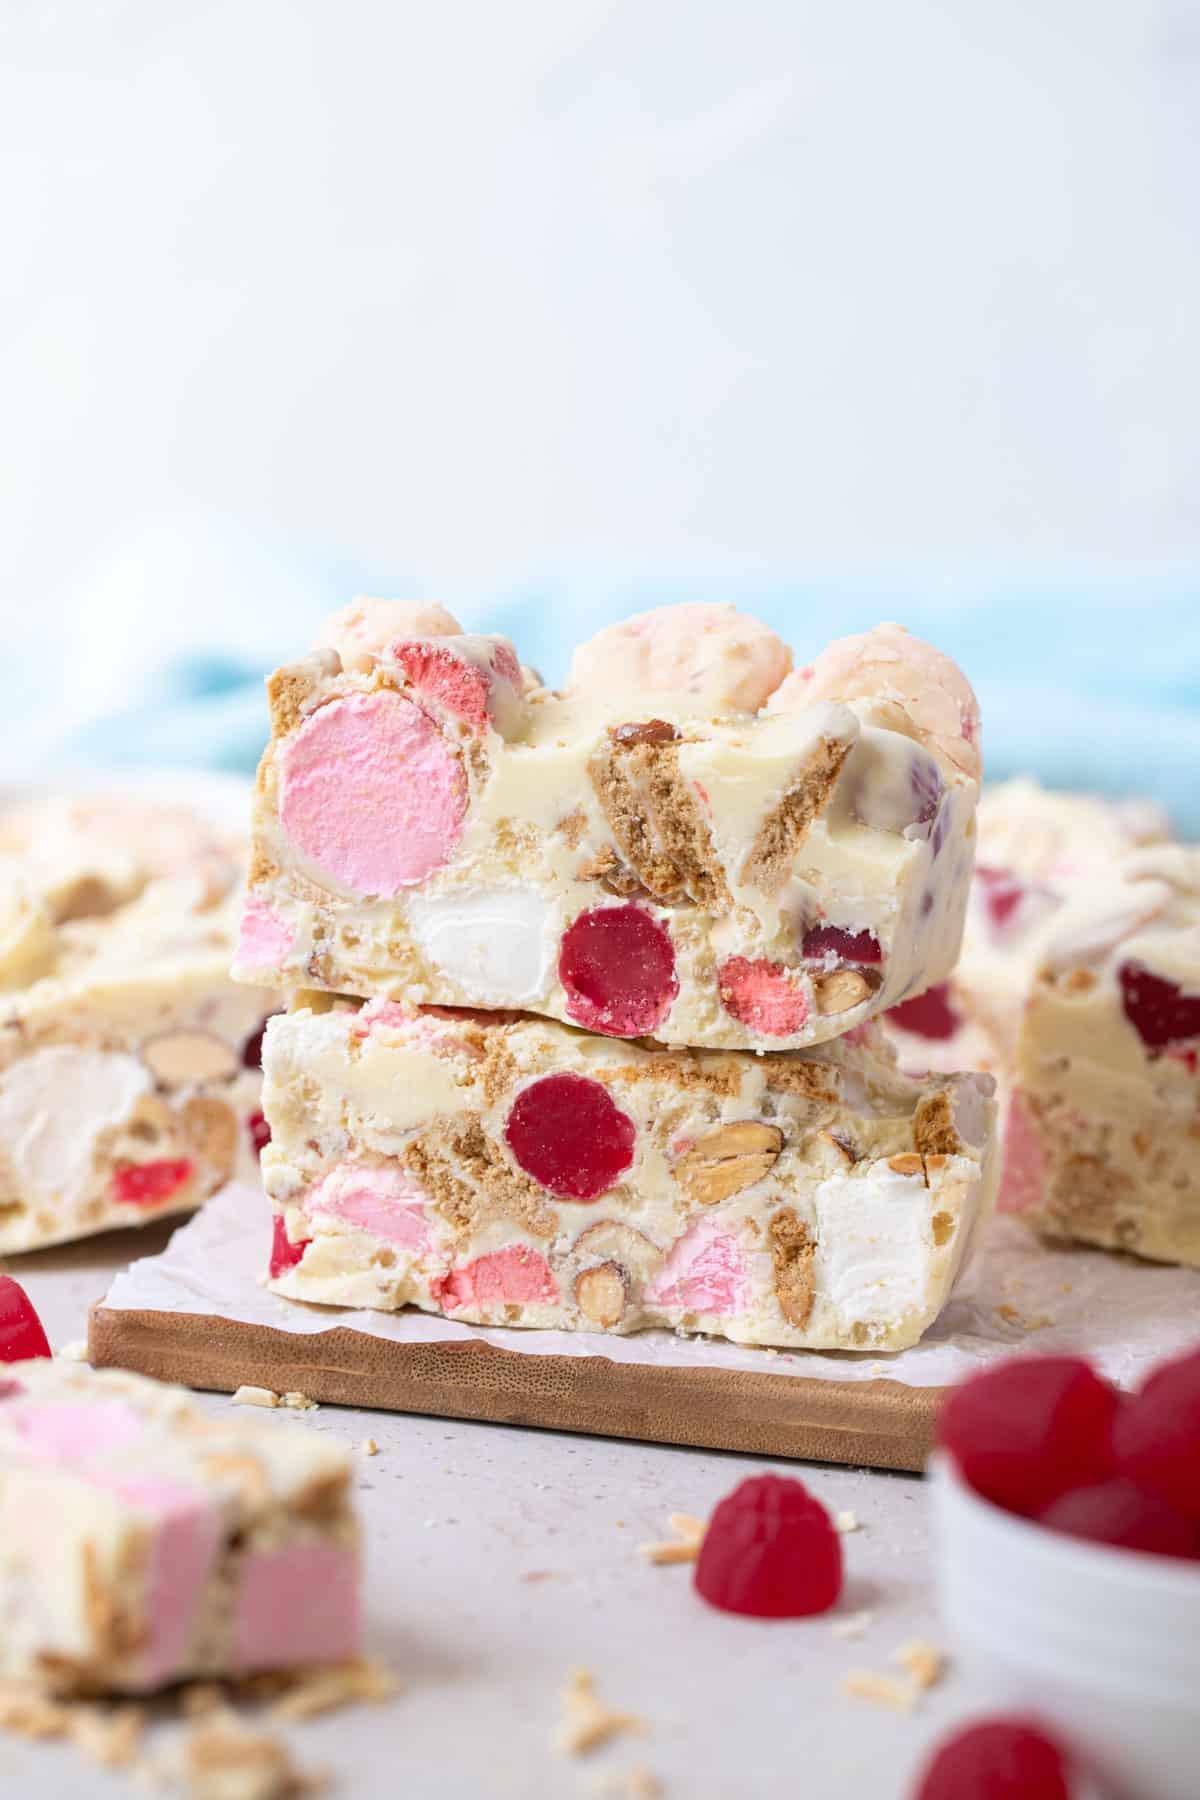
{"type": "Point", "coordinates": [124, 1093]}
{"type": "Point", "coordinates": [663, 777]}
{"type": "Point", "coordinates": [806, 1198]}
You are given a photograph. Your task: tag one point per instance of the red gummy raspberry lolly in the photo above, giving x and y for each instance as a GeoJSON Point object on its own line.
{"type": "Point", "coordinates": [1119, 1513]}
{"type": "Point", "coordinates": [21, 1332]}
{"type": "Point", "coordinates": [1029, 1429]}
{"type": "Point", "coordinates": [1159, 1010]}
{"type": "Point", "coordinates": [569, 1134]}
{"type": "Point", "coordinates": [930, 1015]}
{"type": "Point", "coordinates": [1156, 1437]}
{"type": "Point", "coordinates": [996, 1759]}
{"type": "Point", "coordinates": [770, 1551]}
{"type": "Point", "coordinates": [260, 1132]}
{"type": "Point", "coordinates": [617, 967]}
{"type": "Point", "coordinates": [150, 1183]}
{"type": "Point", "coordinates": [284, 1254]}
{"type": "Point", "coordinates": [848, 946]}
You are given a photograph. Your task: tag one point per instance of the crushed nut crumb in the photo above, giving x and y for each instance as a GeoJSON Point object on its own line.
{"type": "Point", "coordinates": [925, 1664]}
{"type": "Point", "coordinates": [587, 1721]}
{"type": "Point", "coordinates": [225, 1761]}
{"type": "Point", "coordinates": [853, 1625]}
{"type": "Point", "coordinates": [298, 1402]}
{"type": "Point", "coordinates": [369, 1447]}
{"type": "Point", "coordinates": [881, 1690]}
{"type": "Point", "coordinates": [341, 1684]}
{"type": "Point", "coordinates": [685, 1548]}
{"type": "Point", "coordinates": [255, 1396]}
{"type": "Point", "coordinates": [75, 1351]}
{"type": "Point", "coordinates": [846, 1521]}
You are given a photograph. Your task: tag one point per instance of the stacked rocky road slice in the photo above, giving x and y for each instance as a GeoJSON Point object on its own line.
{"type": "Point", "coordinates": [475, 888]}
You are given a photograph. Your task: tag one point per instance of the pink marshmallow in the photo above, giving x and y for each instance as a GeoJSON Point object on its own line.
{"type": "Point", "coordinates": [372, 793]}
{"type": "Point", "coordinates": [264, 939]}
{"type": "Point", "coordinates": [77, 1434]}
{"type": "Point", "coordinates": [297, 1605]}
{"type": "Point", "coordinates": [382, 1199]}
{"type": "Point", "coordinates": [516, 1275]}
{"type": "Point", "coordinates": [708, 655]}
{"type": "Point", "coordinates": [360, 631]}
{"type": "Point", "coordinates": [889, 665]}
{"type": "Point", "coordinates": [705, 1272]}
{"type": "Point", "coordinates": [185, 1548]}
{"type": "Point", "coordinates": [762, 995]}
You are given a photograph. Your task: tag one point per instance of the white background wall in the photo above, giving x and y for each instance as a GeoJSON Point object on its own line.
{"type": "Point", "coordinates": [482, 296]}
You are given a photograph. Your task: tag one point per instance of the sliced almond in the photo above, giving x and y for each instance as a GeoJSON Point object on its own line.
{"type": "Point", "coordinates": [907, 1163]}
{"type": "Point", "coordinates": [840, 990]}
{"type": "Point", "coordinates": [178, 1058]}
{"type": "Point", "coordinates": [612, 1240]}
{"type": "Point", "coordinates": [727, 1159]}
{"type": "Point", "coordinates": [601, 1294]}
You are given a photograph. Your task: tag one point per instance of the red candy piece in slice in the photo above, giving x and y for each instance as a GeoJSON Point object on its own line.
{"type": "Point", "coordinates": [284, 1254]}
{"type": "Point", "coordinates": [770, 1551]}
{"type": "Point", "coordinates": [997, 1759]}
{"type": "Point", "coordinates": [372, 792]}
{"type": "Point", "coordinates": [930, 1015]}
{"type": "Point", "coordinates": [762, 996]}
{"type": "Point", "coordinates": [1160, 1012]}
{"type": "Point", "coordinates": [1118, 1512]}
{"type": "Point", "coordinates": [1156, 1437]}
{"type": "Point", "coordinates": [21, 1332]}
{"type": "Point", "coordinates": [1030, 1429]}
{"type": "Point", "coordinates": [617, 965]}
{"type": "Point", "coordinates": [847, 946]}
{"type": "Point", "coordinates": [460, 686]}
{"type": "Point", "coordinates": [260, 1132]}
{"type": "Point", "coordinates": [1002, 893]}
{"type": "Point", "coordinates": [567, 1132]}
{"type": "Point", "coordinates": [150, 1183]}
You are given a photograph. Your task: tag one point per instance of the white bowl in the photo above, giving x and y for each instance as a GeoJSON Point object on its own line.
{"type": "Point", "coordinates": [1102, 1644]}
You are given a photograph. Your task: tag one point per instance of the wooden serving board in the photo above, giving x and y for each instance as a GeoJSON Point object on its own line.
{"type": "Point", "coordinates": [878, 1424]}
{"type": "Point", "coordinates": [197, 1313]}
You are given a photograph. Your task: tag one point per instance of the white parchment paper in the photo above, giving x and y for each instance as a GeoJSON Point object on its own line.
{"type": "Point", "coordinates": [1018, 1294]}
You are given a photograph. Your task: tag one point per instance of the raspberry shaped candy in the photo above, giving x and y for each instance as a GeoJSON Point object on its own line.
{"type": "Point", "coordinates": [1157, 1435]}
{"type": "Point", "coordinates": [568, 1133]}
{"type": "Point", "coordinates": [997, 1759]}
{"type": "Point", "coordinates": [770, 1551]}
{"type": "Point", "coordinates": [617, 967]}
{"type": "Point", "coordinates": [21, 1333]}
{"type": "Point", "coordinates": [284, 1254]}
{"type": "Point", "coordinates": [930, 1015]}
{"type": "Point", "coordinates": [1030, 1429]}
{"type": "Point", "coordinates": [1117, 1512]}
{"type": "Point", "coordinates": [762, 995]}
{"type": "Point", "coordinates": [150, 1183]}
{"type": "Point", "coordinates": [1159, 1011]}
{"type": "Point", "coordinates": [260, 1132]}
{"type": "Point", "coordinates": [847, 946]}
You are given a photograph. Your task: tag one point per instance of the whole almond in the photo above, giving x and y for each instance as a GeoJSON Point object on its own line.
{"type": "Point", "coordinates": [601, 1294]}
{"type": "Point", "coordinates": [727, 1159]}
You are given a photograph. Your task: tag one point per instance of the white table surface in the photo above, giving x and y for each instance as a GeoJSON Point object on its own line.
{"type": "Point", "coordinates": [498, 1559]}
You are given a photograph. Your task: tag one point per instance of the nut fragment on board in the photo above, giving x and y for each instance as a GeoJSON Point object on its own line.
{"type": "Point", "coordinates": [255, 1396]}
{"type": "Point", "coordinates": [684, 1547]}
{"type": "Point", "coordinates": [587, 1721]}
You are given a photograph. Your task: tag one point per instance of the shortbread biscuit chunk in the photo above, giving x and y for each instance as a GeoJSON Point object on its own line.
{"type": "Point", "coordinates": [1103, 1138]}
{"type": "Point", "coordinates": [1036, 848]}
{"type": "Point", "coordinates": [129, 1073]}
{"type": "Point", "coordinates": [143, 1541]}
{"type": "Point", "coordinates": [686, 841]}
{"type": "Point", "coordinates": [510, 1171]}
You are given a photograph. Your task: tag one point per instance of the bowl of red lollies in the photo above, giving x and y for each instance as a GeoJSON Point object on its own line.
{"type": "Point", "coordinates": [1069, 1559]}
